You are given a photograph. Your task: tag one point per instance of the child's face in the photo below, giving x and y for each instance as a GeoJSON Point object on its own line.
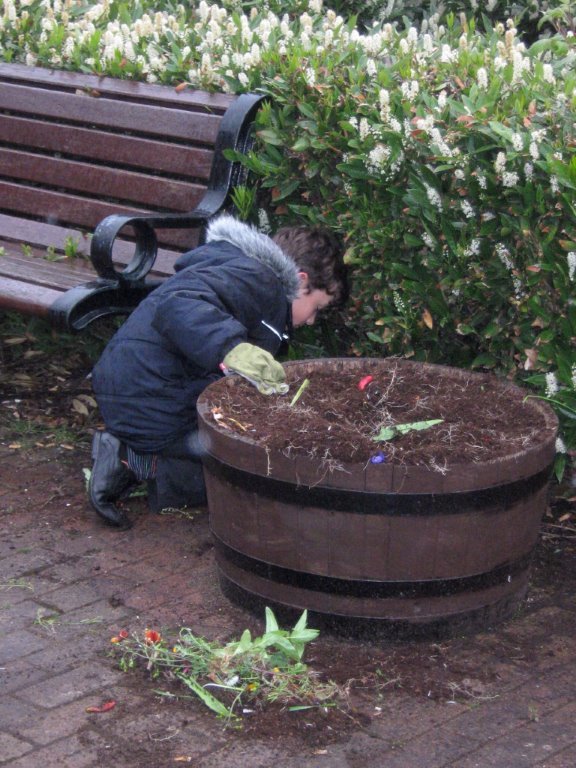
{"type": "Point", "coordinates": [308, 303]}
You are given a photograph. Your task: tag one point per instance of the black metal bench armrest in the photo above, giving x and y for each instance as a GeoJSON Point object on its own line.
{"type": "Point", "coordinates": [145, 247]}
{"type": "Point", "coordinates": [234, 134]}
{"type": "Point", "coordinates": [119, 291]}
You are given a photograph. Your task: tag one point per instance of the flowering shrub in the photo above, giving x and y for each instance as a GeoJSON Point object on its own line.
{"type": "Point", "coordinates": [444, 154]}
{"type": "Point", "coordinates": [561, 394]}
{"type": "Point", "coordinates": [527, 13]}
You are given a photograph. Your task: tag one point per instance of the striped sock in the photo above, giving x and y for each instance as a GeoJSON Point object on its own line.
{"type": "Point", "coordinates": [143, 465]}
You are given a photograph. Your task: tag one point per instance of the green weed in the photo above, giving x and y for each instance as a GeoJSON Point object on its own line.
{"type": "Point", "coordinates": [25, 433]}
{"type": "Point", "coordinates": [53, 255]}
{"type": "Point", "coordinates": [225, 678]}
{"type": "Point", "coordinates": [16, 584]}
{"type": "Point", "coordinates": [50, 621]}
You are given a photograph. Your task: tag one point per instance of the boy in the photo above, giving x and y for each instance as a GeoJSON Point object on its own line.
{"type": "Point", "coordinates": [229, 307]}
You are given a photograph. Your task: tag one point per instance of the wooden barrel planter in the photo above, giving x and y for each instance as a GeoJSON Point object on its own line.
{"type": "Point", "coordinates": [389, 548]}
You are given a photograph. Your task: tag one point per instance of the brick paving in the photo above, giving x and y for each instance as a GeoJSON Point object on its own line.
{"type": "Point", "coordinates": [67, 584]}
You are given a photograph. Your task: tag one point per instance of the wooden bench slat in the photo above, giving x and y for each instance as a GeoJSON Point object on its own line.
{"type": "Point", "coordinates": [191, 99]}
{"type": "Point", "coordinates": [85, 143]}
{"type": "Point", "coordinates": [117, 115]}
{"type": "Point", "coordinates": [70, 271]}
{"type": "Point", "coordinates": [65, 273]}
{"type": "Point", "coordinates": [26, 297]}
{"type": "Point", "coordinates": [128, 172]}
{"type": "Point", "coordinates": [100, 181]}
{"type": "Point", "coordinates": [72, 210]}
{"type": "Point", "coordinates": [59, 275]}
{"type": "Point", "coordinates": [41, 236]}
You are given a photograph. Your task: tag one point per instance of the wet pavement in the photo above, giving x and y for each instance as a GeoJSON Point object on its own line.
{"type": "Point", "coordinates": [67, 584]}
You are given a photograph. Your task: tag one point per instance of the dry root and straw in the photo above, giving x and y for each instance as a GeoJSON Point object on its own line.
{"type": "Point", "coordinates": [335, 423]}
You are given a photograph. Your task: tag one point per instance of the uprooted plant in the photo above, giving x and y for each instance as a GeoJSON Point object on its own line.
{"type": "Point", "coordinates": [246, 672]}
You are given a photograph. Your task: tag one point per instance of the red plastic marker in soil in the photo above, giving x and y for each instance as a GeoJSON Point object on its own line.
{"type": "Point", "coordinates": [363, 383]}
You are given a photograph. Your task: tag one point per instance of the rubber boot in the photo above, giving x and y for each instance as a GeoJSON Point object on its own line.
{"type": "Point", "coordinates": [109, 480]}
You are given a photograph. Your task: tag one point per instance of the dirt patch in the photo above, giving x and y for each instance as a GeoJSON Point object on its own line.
{"type": "Point", "coordinates": [451, 419]}
{"type": "Point", "coordinates": [44, 442]}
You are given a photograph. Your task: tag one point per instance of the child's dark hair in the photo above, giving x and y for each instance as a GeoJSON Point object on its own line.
{"type": "Point", "coordinates": [319, 253]}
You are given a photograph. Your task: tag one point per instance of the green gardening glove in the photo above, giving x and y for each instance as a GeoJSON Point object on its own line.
{"type": "Point", "coordinates": [258, 366]}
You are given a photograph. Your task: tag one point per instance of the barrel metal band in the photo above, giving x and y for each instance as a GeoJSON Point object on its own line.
{"type": "Point", "coordinates": [371, 503]}
{"type": "Point", "coordinates": [374, 589]}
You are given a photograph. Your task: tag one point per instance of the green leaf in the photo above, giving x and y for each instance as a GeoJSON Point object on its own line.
{"type": "Point", "coordinates": [301, 144]}
{"type": "Point", "coordinates": [388, 433]}
{"type": "Point", "coordinates": [286, 188]}
{"type": "Point", "coordinates": [484, 361]}
{"type": "Point", "coordinates": [412, 240]}
{"type": "Point", "coordinates": [270, 137]}
{"type": "Point", "coordinates": [298, 394]}
{"type": "Point", "coordinates": [560, 466]}
{"type": "Point", "coordinates": [205, 696]}
{"type": "Point", "coordinates": [491, 330]}
{"type": "Point", "coordinates": [302, 622]}
{"type": "Point", "coordinates": [304, 635]}
{"type": "Point", "coordinates": [245, 642]}
{"type": "Point", "coordinates": [307, 110]}
{"type": "Point", "coordinates": [271, 623]}
{"type": "Point", "coordinates": [288, 648]}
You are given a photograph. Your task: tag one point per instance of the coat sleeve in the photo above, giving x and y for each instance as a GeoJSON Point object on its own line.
{"type": "Point", "coordinates": [205, 315]}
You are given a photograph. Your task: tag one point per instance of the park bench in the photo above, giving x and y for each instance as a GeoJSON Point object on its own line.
{"type": "Point", "coordinates": [103, 183]}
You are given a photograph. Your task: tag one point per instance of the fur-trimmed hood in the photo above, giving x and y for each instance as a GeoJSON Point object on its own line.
{"type": "Point", "coordinates": [258, 246]}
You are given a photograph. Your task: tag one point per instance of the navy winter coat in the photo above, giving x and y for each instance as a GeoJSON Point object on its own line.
{"type": "Point", "coordinates": [238, 287]}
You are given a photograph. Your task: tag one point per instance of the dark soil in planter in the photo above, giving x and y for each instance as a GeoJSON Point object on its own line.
{"type": "Point", "coordinates": [335, 421]}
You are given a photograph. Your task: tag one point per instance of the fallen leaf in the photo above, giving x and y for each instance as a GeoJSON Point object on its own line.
{"type": "Point", "coordinates": [88, 92]}
{"type": "Point", "coordinates": [106, 707]}
{"type": "Point", "coordinates": [79, 407]}
{"type": "Point", "coordinates": [88, 400]}
{"type": "Point", "coordinates": [427, 319]}
{"type": "Point", "coordinates": [531, 359]}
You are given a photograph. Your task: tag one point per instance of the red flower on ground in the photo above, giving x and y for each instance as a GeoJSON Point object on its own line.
{"type": "Point", "coordinates": [152, 637]}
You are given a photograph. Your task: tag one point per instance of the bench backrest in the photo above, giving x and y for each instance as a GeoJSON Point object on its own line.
{"type": "Point", "coordinates": [73, 151]}
{"type": "Point", "coordinates": [77, 148]}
